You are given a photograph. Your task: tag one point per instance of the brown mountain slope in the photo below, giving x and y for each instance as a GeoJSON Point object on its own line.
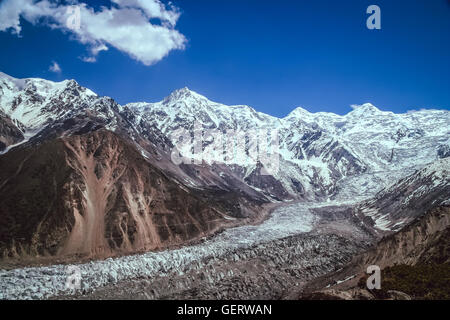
{"type": "Point", "coordinates": [9, 133]}
{"type": "Point", "coordinates": [94, 195]}
{"type": "Point", "coordinates": [417, 242]}
{"type": "Point", "coordinates": [422, 245]}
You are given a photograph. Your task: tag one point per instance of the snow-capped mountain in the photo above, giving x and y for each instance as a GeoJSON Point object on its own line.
{"type": "Point", "coordinates": [33, 102]}
{"type": "Point", "coordinates": [311, 160]}
{"type": "Point", "coordinates": [93, 181]}
{"type": "Point", "coordinates": [318, 151]}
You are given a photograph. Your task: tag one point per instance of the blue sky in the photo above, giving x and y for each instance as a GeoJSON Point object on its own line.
{"type": "Point", "coordinates": [272, 55]}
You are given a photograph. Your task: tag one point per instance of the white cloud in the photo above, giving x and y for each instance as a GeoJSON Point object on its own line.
{"type": "Point", "coordinates": [154, 9]}
{"type": "Point", "coordinates": [54, 67]}
{"type": "Point", "coordinates": [94, 52]}
{"type": "Point", "coordinates": [89, 59]}
{"type": "Point", "coordinates": [125, 25]}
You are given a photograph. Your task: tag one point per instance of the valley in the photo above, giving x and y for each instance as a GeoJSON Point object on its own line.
{"type": "Point", "coordinates": [90, 185]}
{"type": "Point", "coordinates": [292, 246]}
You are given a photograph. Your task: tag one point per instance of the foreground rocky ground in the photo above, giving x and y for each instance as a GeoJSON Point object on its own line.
{"type": "Point", "coordinates": [263, 270]}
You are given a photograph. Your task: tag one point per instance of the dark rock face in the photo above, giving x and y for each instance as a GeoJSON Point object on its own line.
{"type": "Point", "coordinates": [266, 182]}
{"type": "Point", "coordinates": [443, 151]}
{"type": "Point", "coordinates": [33, 215]}
{"type": "Point", "coordinates": [9, 132]}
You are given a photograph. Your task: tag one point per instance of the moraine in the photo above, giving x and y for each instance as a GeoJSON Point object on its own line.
{"type": "Point", "coordinates": [45, 282]}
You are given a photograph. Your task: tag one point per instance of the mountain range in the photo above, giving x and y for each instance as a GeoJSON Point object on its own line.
{"type": "Point", "coordinates": [83, 176]}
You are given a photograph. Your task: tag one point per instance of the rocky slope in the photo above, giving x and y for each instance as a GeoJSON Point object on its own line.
{"type": "Point", "coordinates": [248, 261]}
{"type": "Point", "coordinates": [419, 242]}
{"type": "Point", "coordinates": [421, 203]}
{"type": "Point", "coordinates": [403, 201]}
{"type": "Point", "coordinates": [78, 177]}
{"type": "Point", "coordinates": [319, 155]}
{"type": "Point", "coordinates": [95, 195]}
{"type": "Point", "coordinates": [10, 134]}
{"type": "Point", "coordinates": [406, 259]}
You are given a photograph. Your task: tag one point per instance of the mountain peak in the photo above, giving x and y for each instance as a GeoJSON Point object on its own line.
{"type": "Point", "coordinates": [184, 94]}
{"type": "Point", "coordinates": [365, 109]}
{"type": "Point", "coordinates": [298, 112]}
{"type": "Point", "coordinates": [184, 89]}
